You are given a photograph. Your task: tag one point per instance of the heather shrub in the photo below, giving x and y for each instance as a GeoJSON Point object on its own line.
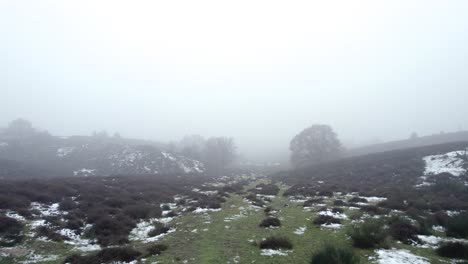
{"type": "Point", "coordinates": [326, 219]}
{"type": "Point", "coordinates": [369, 234]}
{"type": "Point", "coordinates": [453, 250]}
{"type": "Point", "coordinates": [331, 254]}
{"type": "Point", "coordinates": [270, 222]}
{"type": "Point", "coordinates": [276, 242]}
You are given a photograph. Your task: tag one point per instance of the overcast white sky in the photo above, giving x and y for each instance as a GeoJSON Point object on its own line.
{"type": "Point", "coordinates": [260, 71]}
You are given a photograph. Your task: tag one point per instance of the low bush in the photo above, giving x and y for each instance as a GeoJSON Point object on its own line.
{"type": "Point", "coordinates": [158, 230]}
{"type": "Point", "coordinates": [372, 209]}
{"type": "Point", "coordinates": [107, 255]}
{"type": "Point", "coordinates": [10, 231]}
{"type": "Point", "coordinates": [335, 255]}
{"type": "Point", "coordinates": [457, 226]}
{"type": "Point", "coordinates": [265, 189]}
{"type": "Point", "coordinates": [255, 200]}
{"type": "Point", "coordinates": [270, 222]}
{"type": "Point", "coordinates": [339, 203]}
{"type": "Point", "coordinates": [155, 249]}
{"type": "Point", "coordinates": [276, 242]}
{"type": "Point", "coordinates": [453, 250]}
{"type": "Point", "coordinates": [357, 200]}
{"type": "Point", "coordinates": [311, 202]}
{"type": "Point", "coordinates": [402, 230]}
{"type": "Point", "coordinates": [370, 234]}
{"type": "Point", "coordinates": [44, 231]}
{"type": "Point", "coordinates": [326, 219]}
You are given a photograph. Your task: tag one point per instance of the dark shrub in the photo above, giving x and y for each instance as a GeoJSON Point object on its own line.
{"type": "Point", "coordinates": [270, 221]}
{"type": "Point", "coordinates": [158, 230]}
{"type": "Point", "coordinates": [311, 202]}
{"type": "Point", "coordinates": [165, 207]}
{"type": "Point", "coordinates": [326, 219]}
{"type": "Point", "coordinates": [156, 249]}
{"type": "Point", "coordinates": [266, 189]}
{"type": "Point", "coordinates": [78, 259]}
{"type": "Point", "coordinates": [404, 231]}
{"type": "Point", "coordinates": [142, 211]}
{"type": "Point", "coordinates": [67, 204]}
{"type": "Point", "coordinates": [339, 203]}
{"type": "Point", "coordinates": [124, 254]}
{"type": "Point", "coordinates": [396, 204]}
{"type": "Point", "coordinates": [112, 231]}
{"type": "Point", "coordinates": [255, 200]}
{"type": "Point", "coordinates": [357, 200]}
{"type": "Point", "coordinates": [453, 250]}
{"type": "Point", "coordinates": [276, 242]}
{"type": "Point", "coordinates": [10, 231]}
{"type": "Point", "coordinates": [107, 255]}
{"type": "Point", "coordinates": [326, 193]}
{"type": "Point", "coordinates": [369, 234]}
{"type": "Point", "coordinates": [337, 210]}
{"type": "Point", "coordinates": [267, 210]}
{"type": "Point", "coordinates": [44, 231]}
{"type": "Point", "coordinates": [171, 214]}
{"type": "Point", "coordinates": [372, 209]}
{"type": "Point", "coordinates": [458, 226]}
{"type": "Point", "coordinates": [335, 255]}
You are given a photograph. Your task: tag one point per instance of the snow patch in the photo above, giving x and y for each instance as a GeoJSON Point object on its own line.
{"type": "Point", "coordinates": [398, 256]}
{"type": "Point", "coordinates": [300, 230]}
{"type": "Point", "coordinates": [274, 252]}
{"type": "Point", "coordinates": [451, 162]}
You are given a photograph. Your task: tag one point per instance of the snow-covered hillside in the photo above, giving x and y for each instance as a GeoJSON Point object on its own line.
{"type": "Point", "coordinates": [87, 156]}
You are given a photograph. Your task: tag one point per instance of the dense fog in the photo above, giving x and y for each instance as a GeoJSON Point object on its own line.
{"type": "Point", "coordinates": [257, 71]}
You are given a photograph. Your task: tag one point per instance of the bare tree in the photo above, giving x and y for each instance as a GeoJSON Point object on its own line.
{"type": "Point", "coordinates": [313, 145]}
{"type": "Point", "coordinates": [219, 152]}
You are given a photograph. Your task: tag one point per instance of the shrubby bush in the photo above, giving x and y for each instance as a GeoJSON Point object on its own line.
{"type": "Point", "coordinates": [402, 230]}
{"type": "Point", "coordinates": [357, 200]}
{"type": "Point", "coordinates": [44, 231]}
{"type": "Point", "coordinates": [265, 189]}
{"type": "Point", "coordinates": [276, 242]}
{"type": "Point", "coordinates": [339, 203]}
{"type": "Point", "coordinates": [312, 202]}
{"type": "Point", "coordinates": [326, 219]}
{"type": "Point", "coordinates": [270, 222]}
{"type": "Point", "coordinates": [158, 230]}
{"type": "Point", "coordinates": [107, 255]}
{"type": "Point", "coordinates": [335, 255]}
{"type": "Point", "coordinates": [369, 234]}
{"type": "Point", "coordinates": [453, 250]}
{"type": "Point", "coordinates": [10, 231]}
{"type": "Point", "coordinates": [457, 226]}
{"type": "Point", "coordinates": [155, 249]}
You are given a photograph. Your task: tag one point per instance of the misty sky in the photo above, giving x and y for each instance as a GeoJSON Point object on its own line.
{"type": "Point", "coordinates": [259, 71]}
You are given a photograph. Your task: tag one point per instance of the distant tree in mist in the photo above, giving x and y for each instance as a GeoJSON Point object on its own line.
{"type": "Point", "coordinates": [20, 127]}
{"type": "Point", "coordinates": [414, 136]}
{"type": "Point", "coordinates": [219, 152]}
{"type": "Point", "coordinates": [192, 146]}
{"type": "Point", "coordinates": [313, 145]}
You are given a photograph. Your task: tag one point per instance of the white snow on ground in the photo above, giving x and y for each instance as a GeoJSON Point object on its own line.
{"type": "Point", "coordinates": [451, 162]}
{"type": "Point", "coordinates": [335, 215]}
{"type": "Point", "coordinates": [438, 228]}
{"type": "Point", "coordinates": [84, 172]}
{"type": "Point", "coordinates": [273, 252]}
{"type": "Point", "coordinates": [234, 217]}
{"type": "Point", "coordinates": [47, 210]}
{"type": "Point", "coordinates": [300, 230]}
{"type": "Point", "coordinates": [332, 226]}
{"type": "Point", "coordinates": [397, 256]}
{"type": "Point", "coordinates": [35, 258]}
{"type": "Point", "coordinates": [433, 241]}
{"type": "Point", "coordinates": [205, 210]}
{"type": "Point", "coordinates": [15, 216]}
{"type": "Point", "coordinates": [140, 232]}
{"type": "Point", "coordinates": [374, 199]}
{"type": "Point", "coordinates": [76, 240]}
{"type": "Point", "coordinates": [63, 152]}
{"type": "Point", "coordinates": [452, 213]}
